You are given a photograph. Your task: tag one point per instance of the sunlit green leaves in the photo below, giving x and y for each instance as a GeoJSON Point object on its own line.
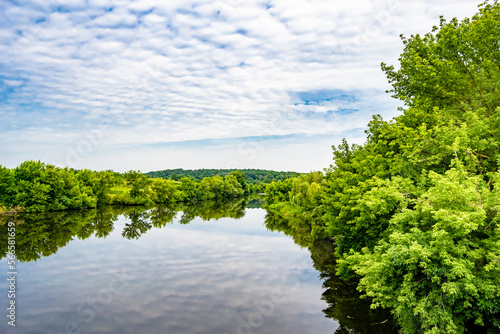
{"type": "Point", "coordinates": [435, 262]}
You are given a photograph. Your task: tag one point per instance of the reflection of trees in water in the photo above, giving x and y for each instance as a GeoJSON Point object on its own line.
{"type": "Point", "coordinates": [255, 201]}
{"type": "Point", "coordinates": [207, 210]}
{"type": "Point", "coordinates": [42, 234]}
{"type": "Point", "coordinates": [353, 314]}
{"type": "Point", "coordinates": [142, 220]}
{"type": "Point", "coordinates": [139, 224]}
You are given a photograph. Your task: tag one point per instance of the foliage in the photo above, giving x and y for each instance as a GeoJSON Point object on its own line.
{"type": "Point", "coordinates": [35, 186]}
{"type": "Point", "coordinates": [440, 260]}
{"type": "Point", "coordinates": [240, 176]}
{"type": "Point", "coordinates": [298, 197]}
{"type": "Point", "coordinates": [251, 176]}
{"type": "Point", "coordinates": [413, 212]}
{"type": "Point", "coordinates": [163, 191]}
{"type": "Point", "coordinates": [279, 191]}
{"type": "Point", "coordinates": [140, 190]}
{"type": "Point", "coordinates": [449, 79]}
{"type": "Point", "coordinates": [306, 191]}
{"type": "Point", "coordinates": [353, 314]}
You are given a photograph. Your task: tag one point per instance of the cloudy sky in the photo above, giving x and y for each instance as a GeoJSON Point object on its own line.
{"type": "Point", "coordinates": [156, 84]}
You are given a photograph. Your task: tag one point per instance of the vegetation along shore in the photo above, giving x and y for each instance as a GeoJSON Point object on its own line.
{"type": "Point", "coordinates": [414, 212]}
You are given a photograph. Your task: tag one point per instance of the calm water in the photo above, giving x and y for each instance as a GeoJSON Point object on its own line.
{"type": "Point", "coordinates": [172, 270]}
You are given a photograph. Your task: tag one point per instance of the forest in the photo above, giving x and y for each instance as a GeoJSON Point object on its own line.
{"type": "Point", "coordinates": [252, 176]}
{"type": "Point", "coordinates": [413, 213]}
{"type": "Point", "coordinates": [35, 186]}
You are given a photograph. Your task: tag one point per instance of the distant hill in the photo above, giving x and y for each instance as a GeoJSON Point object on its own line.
{"type": "Point", "coordinates": [252, 176]}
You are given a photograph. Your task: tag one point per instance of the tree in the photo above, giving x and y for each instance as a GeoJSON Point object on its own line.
{"type": "Point", "coordinates": [440, 263]}
{"type": "Point", "coordinates": [7, 189]}
{"type": "Point", "coordinates": [240, 176]}
{"type": "Point", "coordinates": [414, 211]}
{"type": "Point", "coordinates": [278, 191]}
{"type": "Point", "coordinates": [188, 190]}
{"type": "Point", "coordinates": [449, 79]}
{"type": "Point", "coordinates": [141, 191]}
{"type": "Point", "coordinates": [163, 190]}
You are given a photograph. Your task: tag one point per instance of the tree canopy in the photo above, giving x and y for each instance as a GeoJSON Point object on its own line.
{"type": "Point", "coordinates": [35, 186]}
{"type": "Point", "coordinates": [414, 212]}
{"type": "Point", "coordinates": [251, 176]}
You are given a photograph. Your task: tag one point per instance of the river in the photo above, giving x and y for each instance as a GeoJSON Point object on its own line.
{"type": "Point", "coordinates": [212, 269]}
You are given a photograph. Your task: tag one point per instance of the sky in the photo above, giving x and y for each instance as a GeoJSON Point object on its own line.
{"type": "Point", "coordinates": [156, 84]}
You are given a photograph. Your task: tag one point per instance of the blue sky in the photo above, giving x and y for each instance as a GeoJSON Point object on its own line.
{"type": "Point", "coordinates": [154, 84]}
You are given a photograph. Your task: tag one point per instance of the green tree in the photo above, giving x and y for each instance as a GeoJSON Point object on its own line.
{"type": "Point", "coordinates": [163, 190]}
{"type": "Point", "coordinates": [211, 188]}
{"type": "Point", "coordinates": [240, 176]}
{"type": "Point", "coordinates": [449, 79]}
{"type": "Point", "coordinates": [188, 190]}
{"type": "Point", "coordinates": [140, 183]}
{"type": "Point", "coordinates": [278, 191]}
{"type": "Point", "coordinates": [7, 188]}
{"type": "Point", "coordinates": [439, 265]}
{"type": "Point", "coordinates": [414, 211]}
{"type": "Point", "coordinates": [232, 187]}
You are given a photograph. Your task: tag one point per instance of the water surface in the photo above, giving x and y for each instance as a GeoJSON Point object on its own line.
{"type": "Point", "coordinates": [162, 271]}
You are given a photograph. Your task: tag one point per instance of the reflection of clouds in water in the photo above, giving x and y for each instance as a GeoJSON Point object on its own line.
{"type": "Point", "coordinates": [205, 277]}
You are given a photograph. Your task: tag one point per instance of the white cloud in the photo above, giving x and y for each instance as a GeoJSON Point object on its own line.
{"type": "Point", "coordinates": [13, 83]}
{"type": "Point", "coordinates": [166, 71]}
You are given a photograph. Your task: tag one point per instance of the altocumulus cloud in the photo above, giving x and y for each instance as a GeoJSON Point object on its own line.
{"type": "Point", "coordinates": [268, 84]}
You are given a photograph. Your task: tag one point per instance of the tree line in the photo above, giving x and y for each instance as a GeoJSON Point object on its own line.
{"type": "Point", "coordinates": [414, 211]}
{"type": "Point", "coordinates": [252, 176]}
{"type": "Point", "coordinates": [35, 186]}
